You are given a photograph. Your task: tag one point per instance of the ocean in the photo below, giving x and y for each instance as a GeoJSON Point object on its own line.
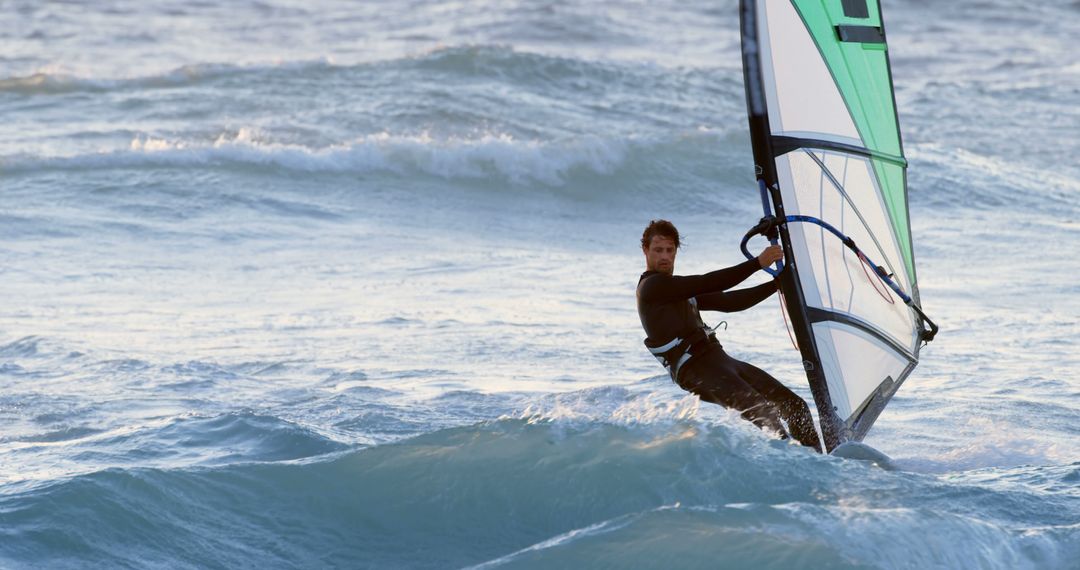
{"type": "Point", "coordinates": [351, 285]}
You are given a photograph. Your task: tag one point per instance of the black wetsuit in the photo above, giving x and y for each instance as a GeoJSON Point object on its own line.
{"type": "Point", "coordinates": [669, 308]}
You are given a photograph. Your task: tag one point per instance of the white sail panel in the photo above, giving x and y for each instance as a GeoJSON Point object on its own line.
{"type": "Point", "coordinates": [855, 364]}
{"type": "Point", "coordinates": [832, 276]}
{"type": "Point", "coordinates": [802, 98]}
{"type": "Point", "coordinates": [865, 213]}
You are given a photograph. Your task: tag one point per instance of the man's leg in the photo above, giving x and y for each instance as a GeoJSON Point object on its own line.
{"type": "Point", "coordinates": [715, 379]}
{"type": "Point", "coordinates": [792, 408]}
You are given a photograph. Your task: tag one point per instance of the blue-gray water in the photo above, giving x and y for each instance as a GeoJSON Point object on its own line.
{"type": "Point", "coordinates": [328, 284]}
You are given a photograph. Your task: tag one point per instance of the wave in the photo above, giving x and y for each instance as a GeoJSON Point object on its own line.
{"type": "Point", "coordinates": [779, 536]}
{"type": "Point", "coordinates": [539, 493]}
{"type": "Point", "coordinates": [692, 164]}
{"type": "Point", "coordinates": [63, 445]}
{"type": "Point", "coordinates": [489, 155]}
{"type": "Point", "coordinates": [498, 61]}
{"type": "Point", "coordinates": [24, 347]}
{"type": "Point", "coordinates": [186, 75]}
{"type": "Point", "coordinates": [495, 157]}
{"type": "Point", "coordinates": [955, 176]}
{"type": "Point", "coordinates": [585, 75]}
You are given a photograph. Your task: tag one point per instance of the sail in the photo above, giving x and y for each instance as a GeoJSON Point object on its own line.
{"type": "Point", "coordinates": [827, 149]}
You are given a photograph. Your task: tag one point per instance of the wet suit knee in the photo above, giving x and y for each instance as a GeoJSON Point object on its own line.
{"type": "Point", "coordinates": [800, 424]}
{"type": "Point", "coordinates": [765, 415]}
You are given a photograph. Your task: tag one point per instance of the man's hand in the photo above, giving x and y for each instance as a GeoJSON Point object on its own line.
{"type": "Point", "coordinates": [771, 255]}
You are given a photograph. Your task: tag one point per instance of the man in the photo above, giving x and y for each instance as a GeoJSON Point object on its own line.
{"type": "Point", "coordinates": [669, 308]}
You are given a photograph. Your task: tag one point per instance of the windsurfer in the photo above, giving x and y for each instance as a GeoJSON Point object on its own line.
{"type": "Point", "coordinates": [669, 306]}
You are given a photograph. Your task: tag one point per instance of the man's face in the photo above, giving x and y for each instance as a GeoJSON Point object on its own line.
{"type": "Point", "coordinates": [660, 255]}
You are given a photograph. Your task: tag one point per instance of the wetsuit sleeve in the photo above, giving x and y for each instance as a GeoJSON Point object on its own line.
{"type": "Point", "coordinates": [663, 288]}
{"type": "Point", "coordinates": [732, 301]}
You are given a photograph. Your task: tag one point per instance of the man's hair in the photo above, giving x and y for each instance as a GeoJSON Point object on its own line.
{"type": "Point", "coordinates": [662, 228]}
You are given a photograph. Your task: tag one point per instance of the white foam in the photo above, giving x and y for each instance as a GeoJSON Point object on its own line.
{"type": "Point", "coordinates": [610, 405]}
{"type": "Point", "coordinates": [988, 453]}
{"type": "Point", "coordinates": [491, 155]}
{"type": "Point", "coordinates": [1000, 445]}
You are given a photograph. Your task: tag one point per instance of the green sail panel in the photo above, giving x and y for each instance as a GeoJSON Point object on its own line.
{"type": "Point", "coordinates": [891, 177]}
{"type": "Point", "coordinates": [861, 72]}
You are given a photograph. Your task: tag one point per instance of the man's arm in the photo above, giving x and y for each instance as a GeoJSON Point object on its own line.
{"type": "Point", "coordinates": [732, 301]}
{"type": "Point", "coordinates": [663, 288]}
